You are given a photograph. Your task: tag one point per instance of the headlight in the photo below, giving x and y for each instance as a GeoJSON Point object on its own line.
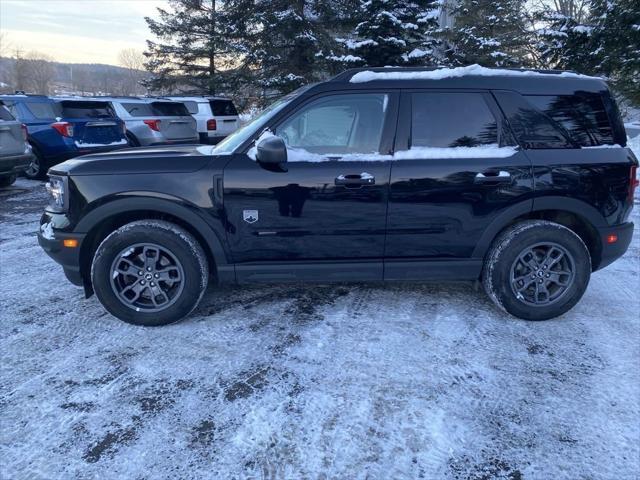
{"type": "Point", "coordinates": [57, 188]}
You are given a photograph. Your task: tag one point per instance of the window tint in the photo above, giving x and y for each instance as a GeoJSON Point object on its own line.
{"type": "Point", "coordinates": [192, 107]}
{"type": "Point", "coordinates": [138, 109]}
{"type": "Point", "coordinates": [221, 108]}
{"type": "Point", "coordinates": [5, 114]}
{"type": "Point", "coordinates": [170, 109]}
{"type": "Point", "coordinates": [43, 110]}
{"type": "Point", "coordinates": [583, 116]}
{"type": "Point", "coordinates": [337, 124]}
{"type": "Point", "coordinates": [451, 120]}
{"type": "Point", "coordinates": [73, 109]}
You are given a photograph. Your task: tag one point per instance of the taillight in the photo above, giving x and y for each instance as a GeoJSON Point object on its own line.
{"type": "Point", "coordinates": [63, 128]}
{"type": "Point", "coordinates": [633, 182]}
{"type": "Point", "coordinates": [211, 124]}
{"type": "Point", "coordinates": [25, 132]}
{"type": "Point", "coordinates": [153, 124]}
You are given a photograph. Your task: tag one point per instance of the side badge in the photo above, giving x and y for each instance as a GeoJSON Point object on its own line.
{"type": "Point", "coordinates": [250, 216]}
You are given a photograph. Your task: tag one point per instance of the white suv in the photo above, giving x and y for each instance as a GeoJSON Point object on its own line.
{"type": "Point", "coordinates": [216, 117]}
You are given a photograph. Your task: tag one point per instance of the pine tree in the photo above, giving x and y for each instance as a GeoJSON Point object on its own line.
{"type": "Point", "coordinates": [615, 44]}
{"type": "Point", "coordinates": [488, 32]}
{"type": "Point", "coordinates": [392, 32]}
{"type": "Point", "coordinates": [562, 41]}
{"type": "Point", "coordinates": [193, 48]}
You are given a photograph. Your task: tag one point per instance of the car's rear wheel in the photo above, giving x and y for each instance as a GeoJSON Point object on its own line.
{"type": "Point", "coordinates": [37, 169]}
{"type": "Point", "coordinates": [7, 180]}
{"type": "Point", "coordinates": [150, 272]}
{"type": "Point", "coordinates": [537, 270]}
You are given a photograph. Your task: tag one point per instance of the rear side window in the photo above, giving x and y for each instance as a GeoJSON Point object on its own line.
{"type": "Point", "coordinates": [451, 120]}
{"type": "Point", "coordinates": [5, 114]}
{"type": "Point", "coordinates": [72, 109]}
{"type": "Point", "coordinates": [138, 109]}
{"type": "Point", "coordinates": [192, 107]}
{"type": "Point", "coordinates": [170, 109]}
{"type": "Point", "coordinates": [583, 116]}
{"type": "Point", "coordinates": [222, 108]}
{"type": "Point", "coordinates": [43, 110]}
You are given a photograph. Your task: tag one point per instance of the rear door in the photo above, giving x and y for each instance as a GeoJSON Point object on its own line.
{"type": "Point", "coordinates": [94, 123]}
{"type": "Point", "coordinates": [12, 140]}
{"type": "Point", "coordinates": [226, 116]}
{"type": "Point", "coordinates": [175, 121]}
{"type": "Point", "coordinates": [456, 170]}
{"type": "Point", "coordinates": [329, 207]}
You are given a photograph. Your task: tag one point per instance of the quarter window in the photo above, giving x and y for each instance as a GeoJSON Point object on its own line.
{"type": "Point", "coordinates": [583, 116]}
{"type": "Point", "coordinates": [452, 120]}
{"type": "Point", "coordinates": [337, 124]}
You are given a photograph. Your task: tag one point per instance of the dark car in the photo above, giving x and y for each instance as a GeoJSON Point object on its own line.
{"type": "Point", "coordinates": [518, 179]}
{"type": "Point", "coordinates": [15, 152]}
{"type": "Point", "coordinates": [60, 129]}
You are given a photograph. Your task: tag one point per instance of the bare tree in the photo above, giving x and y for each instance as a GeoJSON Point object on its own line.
{"type": "Point", "coordinates": [5, 44]}
{"type": "Point", "coordinates": [41, 70]}
{"type": "Point", "coordinates": [133, 61]}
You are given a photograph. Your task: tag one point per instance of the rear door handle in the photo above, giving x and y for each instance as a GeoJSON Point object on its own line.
{"type": "Point", "coordinates": [492, 177]}
{"type": "Point", "coordinates": [355, 180]}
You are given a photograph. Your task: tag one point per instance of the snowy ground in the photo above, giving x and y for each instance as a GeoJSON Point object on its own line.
{"type": "Point", "coordinates": [342, 381]}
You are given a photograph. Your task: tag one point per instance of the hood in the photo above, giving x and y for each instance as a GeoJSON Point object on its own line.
{"type": "Point", "coordinates": [164, 159]}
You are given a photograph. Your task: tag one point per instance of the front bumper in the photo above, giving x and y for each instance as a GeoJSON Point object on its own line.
{"type": "Point", "coordinates": [15, 164]}
{"type": "Point", "coordinates": [613, 251]}
{"type": "Point", "coordinates": [52, 242]}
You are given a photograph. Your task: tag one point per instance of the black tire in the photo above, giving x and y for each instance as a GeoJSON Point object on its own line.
{"type": "Point", "coordinates": [38, 168]}
{"type": "Point", "coordinates": [177, 246]}
{"type": "Point", "coordinates": [517, 265]}
{"type": "Point", "coordinates": [7, 181]}
{"type": "Point", "coordinates": [133, 141]}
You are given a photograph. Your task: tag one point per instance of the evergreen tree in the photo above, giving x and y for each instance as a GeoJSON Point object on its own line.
{"type": "Point", "coordinates": [193, 48]}
{"type": "Point", "coordinates": [562, 42]}
{"type": "Point", "coordinates": [488, 32]}
{"type": "Point", "coordinates": [615, 44]}
{"type": "Point", "coordinates": [392, 32]}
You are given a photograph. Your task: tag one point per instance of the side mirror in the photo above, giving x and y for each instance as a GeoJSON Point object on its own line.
{"type": "Point", "coordinates": [272, 152]}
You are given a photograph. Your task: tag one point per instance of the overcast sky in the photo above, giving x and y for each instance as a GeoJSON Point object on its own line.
{"type": "Point", "coordinates": [79, 31]}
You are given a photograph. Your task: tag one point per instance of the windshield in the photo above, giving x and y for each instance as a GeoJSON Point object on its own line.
{"type": "Point", "coordinates": [233, 141]}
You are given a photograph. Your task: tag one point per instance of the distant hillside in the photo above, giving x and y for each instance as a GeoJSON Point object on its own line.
{"type": "Point", "coordinates": [70, 78]}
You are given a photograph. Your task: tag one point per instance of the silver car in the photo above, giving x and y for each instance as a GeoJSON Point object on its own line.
{"type": "Point", "coordinates": [152, 121]}
{"type": "Point", "coordinates": [15, 152]}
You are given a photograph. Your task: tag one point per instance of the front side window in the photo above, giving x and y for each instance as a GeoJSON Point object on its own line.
{"type": "Point", "coordinates": [583, 116]}
{"type": "Point", "coordinates": [337, 124]}
{"type": "Point", "coordinates": [449, 120]}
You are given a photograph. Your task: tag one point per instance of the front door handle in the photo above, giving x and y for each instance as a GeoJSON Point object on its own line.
{"type": "Point", "coordinates": [355, 180]}
{"type": "Point", "coordinates": [492, 177]}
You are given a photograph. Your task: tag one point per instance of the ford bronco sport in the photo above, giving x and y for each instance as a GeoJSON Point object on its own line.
{"type": "Point", "coordinates": [518, 179]}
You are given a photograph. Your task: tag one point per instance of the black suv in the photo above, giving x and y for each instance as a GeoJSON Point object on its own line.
{"type": "Point", "coordinates": [519, 179]}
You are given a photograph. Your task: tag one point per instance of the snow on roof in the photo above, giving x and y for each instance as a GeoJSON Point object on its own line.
{"type": "Point", "coordinates": [477, 70]}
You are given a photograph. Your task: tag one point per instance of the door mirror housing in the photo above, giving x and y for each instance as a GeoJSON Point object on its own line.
{"type": "Point", "coordinates": [272, 152]}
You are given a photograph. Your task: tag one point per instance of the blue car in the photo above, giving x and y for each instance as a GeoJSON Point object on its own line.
{"type": "Point", "coordinates": [62, 128]}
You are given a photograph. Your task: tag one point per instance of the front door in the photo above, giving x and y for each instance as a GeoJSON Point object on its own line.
{"type": "Point", "coordinates": [325, 216]}
{"type": "Point", "coordinates": [456, 170]}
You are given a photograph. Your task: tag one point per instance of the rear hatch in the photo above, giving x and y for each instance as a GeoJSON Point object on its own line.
{"type": "Point", "coordinates": [226, 116]}
{"type": "Point", "coordinates": [94, 123]}
{"type": "Point", "coordinates": [175, 121]}
{"type": "Point", "coordinates": [12, 136]}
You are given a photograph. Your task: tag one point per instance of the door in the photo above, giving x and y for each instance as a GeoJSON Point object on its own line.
{"type": "Point", "coordinates": [12, 137]}
{"type": "Point", "coordinates": [329, 207]}
{"type": "Point", "coordinates": [456, 170]}
{"type": "Point", "coordinates": [226, 116]}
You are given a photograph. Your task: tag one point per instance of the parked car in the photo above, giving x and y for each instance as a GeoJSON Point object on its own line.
{"type": "Point", "coordinates": [62, 128]}
{"type": "Point", "coordinates": [216, 117]}
{"type": "Point", "coordinates": [518, 179]}
{"type": "Point", "coordinates": [152, 121]}
{"type": "Point", "coordinates": [15, 152]}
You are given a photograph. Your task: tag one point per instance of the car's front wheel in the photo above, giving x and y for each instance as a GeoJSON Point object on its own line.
{"type": "Point", "coordinates": [150, 272]}
{"type": "Point", "coordinates": [537, 270]}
